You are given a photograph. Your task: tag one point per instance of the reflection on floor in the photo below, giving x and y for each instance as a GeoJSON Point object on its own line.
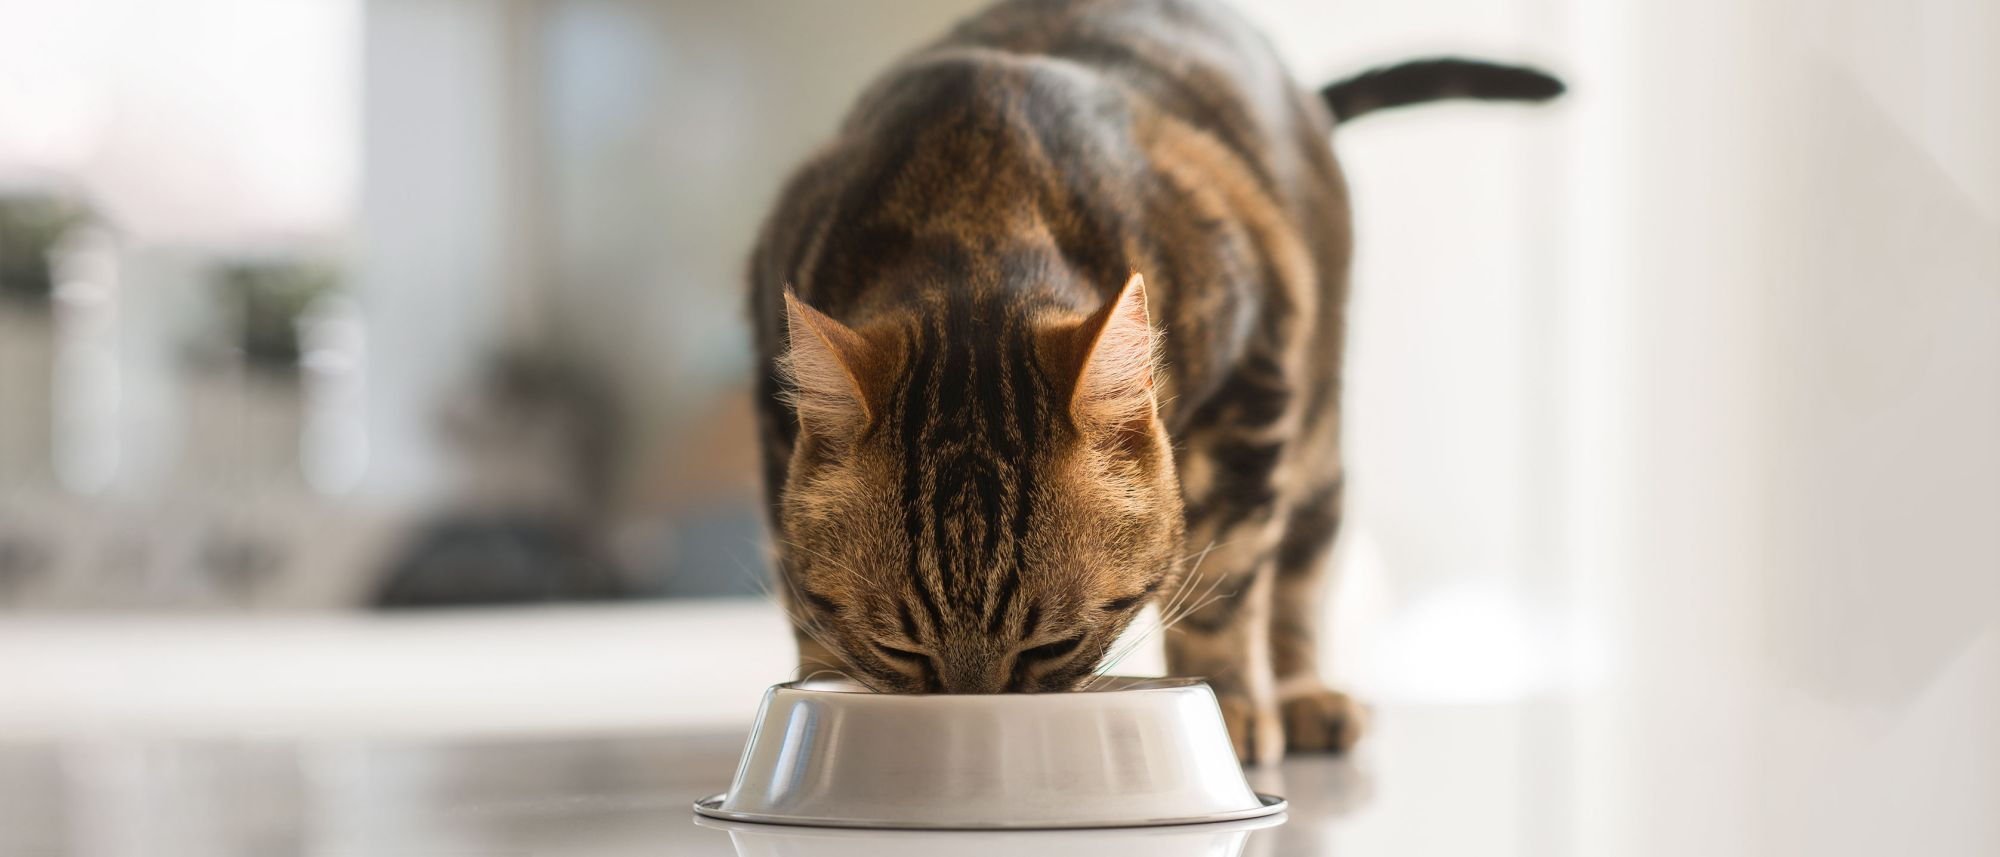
{"type": "Point", "coordinates": [598, 796]}
{"type": "Point", "coordinates": [1576, 773]}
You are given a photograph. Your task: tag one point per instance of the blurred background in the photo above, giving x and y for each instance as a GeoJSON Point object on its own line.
{"type": "Point", "coordinates": [1672, 407]}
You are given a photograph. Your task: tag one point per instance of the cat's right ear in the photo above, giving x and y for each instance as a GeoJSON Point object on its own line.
{"type": "Point", "coordinates": [827, 365]}
{"type": "Point", "coordinates": [1116, 351]}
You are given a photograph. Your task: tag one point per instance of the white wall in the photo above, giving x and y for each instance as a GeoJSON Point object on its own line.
{"type": "Point", "coordinates": [447, 238]}
{"type": "Point", "coordinates": [1786, 502]}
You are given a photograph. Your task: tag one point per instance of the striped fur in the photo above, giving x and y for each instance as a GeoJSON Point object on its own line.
{"type": "Point", "coordinates": [988, 444]}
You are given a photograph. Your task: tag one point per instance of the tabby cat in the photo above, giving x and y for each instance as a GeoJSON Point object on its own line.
{"type": "Point", "coordinates": [1053, 328]}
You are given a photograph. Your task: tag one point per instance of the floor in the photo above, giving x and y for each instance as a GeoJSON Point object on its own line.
{"type": "Point", "coordinates": [566, 732]}
{"type": "Point", "coordinates": [1485, 779]}
{"type": "Point", "coordinates": [629, 795]}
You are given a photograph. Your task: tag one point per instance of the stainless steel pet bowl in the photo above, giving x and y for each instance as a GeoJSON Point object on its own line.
{"type": "Point", "coordinates": [1129, 753]}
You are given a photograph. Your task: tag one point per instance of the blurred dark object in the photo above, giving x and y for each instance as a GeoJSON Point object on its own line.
{"type": "Point", "coordinates": [22, 560]}
{"type": "Point", "coordinates": [268, 299]}
{"type": "Point", "coordinates": [30, 225]}
{"type": "Point", "coordinates": [242, 564]}
{"type": "Point", "coordinates": [531, 445]}
{"type": "Point", "coordinates": [715, 551]}
{"type": "Point", "coordinates": [534, 431]}
{"type": "Point", "coordinates": [500, 559]}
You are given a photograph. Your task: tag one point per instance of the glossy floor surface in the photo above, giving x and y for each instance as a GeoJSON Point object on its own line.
{"type": "Point", "coordinates": [1515, 778]}
{"type": "Point", "coordinates": [630, 795]}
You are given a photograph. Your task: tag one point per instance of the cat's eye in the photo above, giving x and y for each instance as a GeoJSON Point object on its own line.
{"type": "Point", "coordinates": [822, 603]}
{"type": "Point", "coordinates": [1051, 651]}
{"type": "Point", "coordinates": [1120, 605]}
{"type": "Point", "coordinates": [904, 654]}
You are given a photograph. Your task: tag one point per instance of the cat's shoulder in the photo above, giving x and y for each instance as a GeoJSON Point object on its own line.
{"type": "Point", "coordinates": [954, 79]}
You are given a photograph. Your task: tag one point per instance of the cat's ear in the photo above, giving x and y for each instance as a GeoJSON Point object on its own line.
{"type": "Point", "coordinates": [1118, 348]}
{"type": "Point", "coordinates": [827, 364]}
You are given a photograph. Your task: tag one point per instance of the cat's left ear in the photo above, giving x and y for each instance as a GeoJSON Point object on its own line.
{"type": "Point", "coordinates": [1118, 352]}
{"type": "Point", "coordinates": [828, 365]}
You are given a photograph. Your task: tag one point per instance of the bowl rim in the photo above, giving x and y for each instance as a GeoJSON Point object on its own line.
{"type": "Point", "coordinates": [800, 831]}
{"type": "Point", "coordinates": [815, 686]}
{"type": "Point", "coordinates": [711, 807]}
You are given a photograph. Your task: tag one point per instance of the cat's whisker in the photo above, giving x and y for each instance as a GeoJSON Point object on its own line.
{"type": "Point", "coordinates": [1185, 588]}
{"type": "Point", "coordinates": [1104, 672]}
{"type": "Point", "coordinates": [1169, 626]}
{"type": "Point", "coordinates": [1184, 603]}
{"type": "Point", "coordinates": [1208, 596]}
{"type": "Point", "coordinates": [819, 555]}
{"type": "Point", "coordinates": [831, 670]}
{"type": "Point", "coordinates": [1112, 661]}
{"type": "Point", "coordinates": [1181, 591]}
{"type": "Point", "coordinates": [763, 583]}
{"type": "Point", "coordinates": [811, 628]}
{"type": "Point", "coordinates": [824, 668]}
{"type": "Point", "coordinates": [1181, 594]}
{"type": "Point", "coordinates": [1214, 581]}
{"type": "Point", "coordinates": [805, 622]}
{"type": "Point", "coordinates": [1203, 556]}
{"type": "Point", "coordinates": [862, 679]}
{"type": "Point", "coordinates": [848, 670]}
{"type": "Point", "coordinates": [853, 577]}
{"type": "Point", "coordinates": [1118, 655]}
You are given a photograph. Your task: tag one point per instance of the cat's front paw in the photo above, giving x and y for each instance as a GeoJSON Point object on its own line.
{"type": "Point", "coordinates": [1319, 720]}
{"type": "Point", "coordinates": [1256, 730]}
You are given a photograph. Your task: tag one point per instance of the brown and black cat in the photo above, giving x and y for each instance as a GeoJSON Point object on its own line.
{"type": "Point", "coordinates": [1059, 310]}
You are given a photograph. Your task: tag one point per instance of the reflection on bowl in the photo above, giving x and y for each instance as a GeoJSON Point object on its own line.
{"type": "Point", "coordinates": [1135, 752]}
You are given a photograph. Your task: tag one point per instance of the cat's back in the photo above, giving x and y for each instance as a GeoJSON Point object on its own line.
{"type": "Point", "coordinates": [1197, 60]}
{"type": "Point", "coordinates": [1057, 146]}
{"type": "Point", "coordinates": [1028, 91]}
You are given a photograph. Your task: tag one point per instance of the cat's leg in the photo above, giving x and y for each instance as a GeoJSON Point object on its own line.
{"type": "Point", "coordinates": [1222, 610]}
{"type": "Point", "coordinates": [1317, 718]}
{"type": "Point", "coordinates": [1227, 642]}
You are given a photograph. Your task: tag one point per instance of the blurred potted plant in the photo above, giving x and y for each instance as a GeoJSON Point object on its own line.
{"type": "Point", "coordinates": [266, 300]}
{"type": "Point", "coordinates": [31, 224]}
{"type": "Point", "coordinates": [247, 417]}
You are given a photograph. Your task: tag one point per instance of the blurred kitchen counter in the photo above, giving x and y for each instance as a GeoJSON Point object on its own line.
{"type": "Point", "coordinates": [689, 664]}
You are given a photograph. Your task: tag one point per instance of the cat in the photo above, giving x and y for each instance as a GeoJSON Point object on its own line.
{"type": "Point", "coordinates": [1053, 329]}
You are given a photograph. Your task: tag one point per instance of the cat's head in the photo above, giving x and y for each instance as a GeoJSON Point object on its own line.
{"type": "Point", "coordinates": [981, 495]}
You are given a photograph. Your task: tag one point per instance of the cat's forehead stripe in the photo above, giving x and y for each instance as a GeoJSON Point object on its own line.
{"type": "Point", "coordinates": [968, 417]}
{"type": "Point", "coordinates": [915, 377]}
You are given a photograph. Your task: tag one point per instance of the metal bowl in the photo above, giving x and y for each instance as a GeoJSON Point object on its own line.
{"type": "Point", "coordinates": [1128, 753]}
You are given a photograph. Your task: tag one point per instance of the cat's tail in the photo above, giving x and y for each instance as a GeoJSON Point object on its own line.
{"type": "Point", "coordinates": [1418, 81]}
